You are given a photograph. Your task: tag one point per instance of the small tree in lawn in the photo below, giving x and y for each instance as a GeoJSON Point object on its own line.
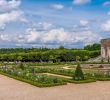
{"type": "Point", "coordinates": [78, 73]}
{"type": "Point", "coordinates": [86, 58]}
{"type": "Point", "coordinates": [77, 58]}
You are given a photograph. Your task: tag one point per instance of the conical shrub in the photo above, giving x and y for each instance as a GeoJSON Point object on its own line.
{"type": "Point", "coordinates": [78, 73]}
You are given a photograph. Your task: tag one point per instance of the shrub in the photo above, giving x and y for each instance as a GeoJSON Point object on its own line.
{"type": "Point", "coordinates": [78, 73]}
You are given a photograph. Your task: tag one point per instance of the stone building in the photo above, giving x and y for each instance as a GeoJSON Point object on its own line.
{"type": "Point", "coordinates": [105, 49]}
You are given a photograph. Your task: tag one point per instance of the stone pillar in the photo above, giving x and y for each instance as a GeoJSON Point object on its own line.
{"type": "Point", "coordinates": [108, 54]}
{"type": "Point", "coordinates": [105, 49]}
{"type": "Point", "coordinates": [109, 51]}
{"type": "Point", "coordinates": [102, 51]}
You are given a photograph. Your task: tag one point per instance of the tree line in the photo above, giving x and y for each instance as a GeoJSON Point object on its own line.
{"type": "Point", "coordinates": [45, 54]}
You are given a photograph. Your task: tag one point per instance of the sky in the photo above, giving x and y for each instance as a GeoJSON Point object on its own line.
{"type": "Point", "coordinates": [51, 23]}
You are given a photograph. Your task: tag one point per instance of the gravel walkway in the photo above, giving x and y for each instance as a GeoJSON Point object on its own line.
{"type": "Point", "coordinates": [11, 89]}
{"type": "Point", "coordinates": [56, 75]}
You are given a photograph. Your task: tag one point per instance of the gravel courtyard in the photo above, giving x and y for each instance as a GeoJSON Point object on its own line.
{"type": "Point", "coordinates": [11, 89]}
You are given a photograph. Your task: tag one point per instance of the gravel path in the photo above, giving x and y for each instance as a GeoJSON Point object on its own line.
{"type": "Point", "coordinates": [11, 89]}
{"type": "Point", "coordinates": [62, 76]}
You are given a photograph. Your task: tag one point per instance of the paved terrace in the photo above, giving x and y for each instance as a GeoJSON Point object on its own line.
{"type": "Point", "coordinates": [11, 89]}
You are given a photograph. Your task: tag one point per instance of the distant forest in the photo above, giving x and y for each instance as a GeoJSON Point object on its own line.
{"type": "Point", "coordinates": [60, 54]}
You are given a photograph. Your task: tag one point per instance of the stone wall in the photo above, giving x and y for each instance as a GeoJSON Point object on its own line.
{"type": "Point", "coordinates": [105, 49]}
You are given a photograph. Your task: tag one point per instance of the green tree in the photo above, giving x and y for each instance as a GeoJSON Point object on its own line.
{"type": "Point", "coordinates": [78, 73]}
{"type": "Point", "coordinates": [52, 58]}
{"type": "Point", "coordinates": [94, 54]}
{"type": "Point", "coordinates": [77, 58]}
{"type": "Point", "coordinates": [61, 47]}
{"type": "Point", "coordinates": [19, 58]}
{"type": "Point", "coordinates": [86, 58]}
{"type": "Point", "coordinates": [93, 47]}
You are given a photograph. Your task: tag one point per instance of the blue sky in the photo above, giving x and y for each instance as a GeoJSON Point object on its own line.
{"type": "Point", "coordinates": [51, 23]}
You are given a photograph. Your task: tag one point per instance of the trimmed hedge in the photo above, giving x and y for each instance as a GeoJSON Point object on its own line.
{"type": "Point", "coordinates": [103, 79]}
{"type": "Point", "coordinates": [32, 82]}
{"type": "Point", "coordinates": [80, 81]}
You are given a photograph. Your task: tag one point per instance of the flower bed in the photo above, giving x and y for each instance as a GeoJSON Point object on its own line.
{"type": "Point", "coordinates": [36, 80]}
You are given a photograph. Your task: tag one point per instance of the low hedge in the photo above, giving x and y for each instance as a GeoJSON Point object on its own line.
{"type": "Point", "coordinates": [103, 79]}
{"type": "Point", "coordinates": [80, 81]}
{"type": "Point", "coordinates": [32, 82]}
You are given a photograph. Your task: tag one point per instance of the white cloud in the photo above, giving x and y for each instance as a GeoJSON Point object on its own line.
{"type": "Point", "coordinates": [61, 36]}
{"type": "Point", "coordinates": [32, 35]}
{"type": "Point", "coordinates": [57, 6]}
{"type": "Point", "coordinates": [81, 2]}
{"type": "Point", "coordinates": [57, 35]}
{"type": "Point", "coordinates": [83, 22]}
{"type": "Point", "coordinates": [10, 17]}
{"type": "Point", "coordinates": [87, 37]}
{"type": "Point", "coordinates": [106, 26]}
{"type": "Point", "coordinates": [42, 25]}
{"type": "Point", "coordinates": [107, 3]}
{"type": "Point", "coordinates": [45, 25]}
{"type": "Point", "coordinates": [9, 38]}
{"type": "Point", "coordinates": [6, 5]}
{"type": "Point", "coordinates": [53, 37]}
{"type": "Point", "coordinates": [10, 12]}
{"type": "Point", "coordinates": [5, 37]}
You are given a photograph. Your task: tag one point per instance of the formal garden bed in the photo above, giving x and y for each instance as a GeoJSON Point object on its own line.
{"type": "Point", "coordinates": [34, 75]}
{"type": "Point", "coordinates": [31, 77]}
